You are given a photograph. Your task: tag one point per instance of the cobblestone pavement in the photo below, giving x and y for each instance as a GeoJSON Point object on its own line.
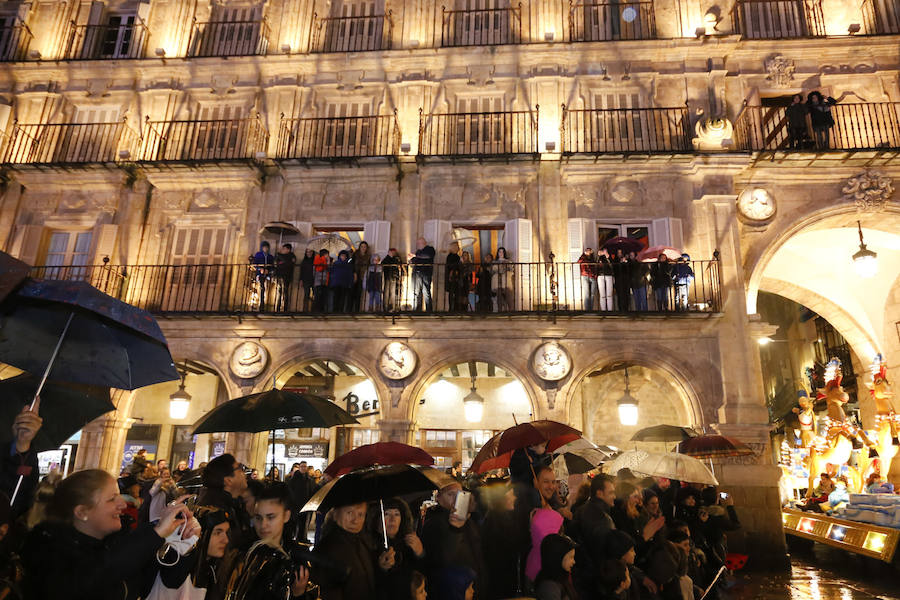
{"type": "Point", "coordinates": [821, 573]}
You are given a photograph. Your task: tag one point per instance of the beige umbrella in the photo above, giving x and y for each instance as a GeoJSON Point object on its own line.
{"type": "Point", "coordinates": [627, 460]}
{"type": "Point", "coordinates": [679, 467]}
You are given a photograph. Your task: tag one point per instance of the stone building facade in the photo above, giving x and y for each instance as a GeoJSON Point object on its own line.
{"type": "Point", "coordinates": [148, 144]}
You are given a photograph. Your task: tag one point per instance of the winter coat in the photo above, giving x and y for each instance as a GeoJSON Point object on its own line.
{"type": "Point", "coordinates": [284, 265]}
{"type": "Point", "coordinates": [448, 546]}
{"type": "Point", "coordinates": [796, 115]}
{"type": "Point", "coordinates": [373, 279]}
{"type": "Point", "coordinates": [390, 266]}
{"type": "Point", "coordinates": [321, 270]}
{"type": "Point", "coordinates": [353, 551]}
{"type": "Point", "coordinates": [307, 271]}
{"type": "Point", "coordinates": [661, 275]}
{"type": "Point", "coordinates": [683, 273]}
{"type": "Point", "coordinates": [638, 273]}
{"type": "Point", "coordinates": [424, 261]}
{"type": "Point", "coordinates": [544, 522]}
{"type": "Point", "coordinates": [453, 271]}
{"type": "Point", "coordinates": [820, 114]}
{"type": "Point", "coordinates": [588, 266]}
{"type": "Point", "coordinates": [341, 274]}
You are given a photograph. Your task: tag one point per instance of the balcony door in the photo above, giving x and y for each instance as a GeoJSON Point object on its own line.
{"type": "Point", "coordinates": [219, 133]}
{"type": "Point", "coordinates": [234, 31]}
{"type": "Point", "coordinates": [10, 36]}
{"type": "Point", "coordinates": [90, 136]}
{"type": "Point", "coordinates": [774, 19]}
{"type": "Point", "coordinates": [117, 38]}
{"type": "Point", "coordinates": [355, 25]}
{"type": "Point", "coordinates": [480, 127]}
{"type": "Point", "coordinates": [348, 131]}
{"type": "Point", "coordinates": [67, 256]}
{"type": "Point", "coordinates": [614, 125]}
{"type": "Point", "coordinates": [481, 22]}
{"type": "Point", "coordinates": [197, 278]}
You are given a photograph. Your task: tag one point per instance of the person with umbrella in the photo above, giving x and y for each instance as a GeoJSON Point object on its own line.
{"type": "Point", "coordinates": [409, 553]}
{"type": "Point", "coordinates": [621, 281]}
{"type": "Point", "coordinates": [20, 459]}
{"type": "Point", "coordinates": [308, 277]}
{"type": "Point", "coordinates": [224, 483]}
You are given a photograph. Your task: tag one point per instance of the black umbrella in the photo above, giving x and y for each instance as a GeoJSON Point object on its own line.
{"type": "Point", "coordinates": [98, 340]}
{"type": "Point", "coordinates": [12, 272]}
{"type": "Point", "coordinates": [271, 410]}
{"type": "Point", "coordinates": [664, 433]}
{"type": "Point", "coordinates": [65, 408]}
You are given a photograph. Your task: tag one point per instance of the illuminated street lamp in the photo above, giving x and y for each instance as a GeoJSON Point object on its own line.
{"type": "Point", "coordinates": [179, 401]}
{"type": "Point", "coordinates": [628, 406]}
{"type": "Point", "coordinates": [865, 261]}
{"type": "Point", "coordinates": [473, 405]}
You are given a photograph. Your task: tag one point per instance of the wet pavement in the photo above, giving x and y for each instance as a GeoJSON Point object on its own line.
{"type": "Point", "coordinates": [821, 573]}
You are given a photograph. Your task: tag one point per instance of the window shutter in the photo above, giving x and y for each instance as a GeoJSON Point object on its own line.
{"type": "Point", "coordinates": [305, 228]}
{"type": "Point", "coordinates": [517, 240]}
{"type": "Point", "coordinates": [437, 234]}
{"type": "Point", "coordinates": [95, 17]}
{"type": "Point", "coordinates": [666, 232]}
{"type": "Point", "coordinates": [582, 234]}
{"type": "Point", "coordinates": [106, 244]}
{"type": "Point", "coordinates": [30, 243]}
{"type": "Point", "coordinates": [378, 235]}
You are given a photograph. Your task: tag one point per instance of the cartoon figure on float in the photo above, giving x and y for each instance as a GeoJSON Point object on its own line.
{"type": "Point", "coordinates": [806, 418]}
{"type": "Point", "coordinates": [887, 421]}
{"type": "Point", "coordinates": [837, 445]}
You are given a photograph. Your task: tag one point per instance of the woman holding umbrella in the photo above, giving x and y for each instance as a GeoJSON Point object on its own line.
{"type": "Point", "coordinates": [79, 554]}
{"type": "Point", "coordinates": [408, 550]}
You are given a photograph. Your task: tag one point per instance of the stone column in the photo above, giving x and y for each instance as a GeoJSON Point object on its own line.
{"type": "Point", "coordinates": [103, 440]}
{"type": "Point", "coordinates": [396, 430]}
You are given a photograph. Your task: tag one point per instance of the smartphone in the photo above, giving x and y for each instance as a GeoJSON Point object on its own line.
{"type": "Point", "coordinates": [461, 506]}
{"type": "Point", "coordinates": [723, 495]}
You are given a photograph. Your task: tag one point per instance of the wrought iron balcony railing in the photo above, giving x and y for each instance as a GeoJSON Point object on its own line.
{"type": "Point", "coordinates": [779, 19]}
{"type": "Point", "coordinates": [339, 137]}
{"type": "Point", "coordinates": [863, 126]}
{"type": "Point", "coordinates": [881, 16]}
{"type": "Point", "coordinates": [607, 21]}
{"type": "Point", "coordinates": [229, 38]}
{"type": "Point", "coordinates": [481, 27]}
{"type": "Point", "coordinates": [121, 37]}
{"type": "Point", "coordinates": [67, 143]}
{"type": "Point", "coordinates": [14, 42]}
{"type": "Point", "coordinates": [642, 130]}
{"type": "Point", "coordinates": [213, 139]}
{"type": "Point", "coordinates": [479, 134]}
{"type": "Point", "coordinates": [352, 34]}
{"type": "Point", "coordinates": [470, 289]}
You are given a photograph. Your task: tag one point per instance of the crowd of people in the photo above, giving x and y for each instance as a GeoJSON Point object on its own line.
{"type": "Point", "coordinates": [215, 532]}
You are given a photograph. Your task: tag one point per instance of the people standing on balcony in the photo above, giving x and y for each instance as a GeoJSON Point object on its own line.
{"type": "Point", "coordinates": [605, 280]}
{"type": "Point", "coordinates": [821, 118]}
{"type": "Point", "coordinates": [262, 272]}
{"type": "Point", "coordinates": [796, 115]}
{"type": "Point", "coordinates": [638, 272]}
{"type": "Point", "coordinates": [340, 283]}
{"type": "Point", "coordinates": [285, 261]}
{"type": "Point", "coordinates": [423, 271]}
{"type": "Point", "coordinates": [483, 287]}
{"type": "Point", "coordinates": [621, 282]}
{"type": "Point", "coordinates": [308, 277]}
{"type": "Point", "coordinates": [390, 270]}
{"type": "Point", "coordinates": [361, 260]}
{"type": "Point", "coordinates": [322, 266]}
{"type": "Point", "coordinates": [684, 276]}
{"type": "Point", "coordinates": [503, 280]}
{"type": "Point", "coordinates": [374, 283]}
{"type": "Point", "coordinates": [589, 295]}
{"type": "Point", "coordinates": [661, 280]}
{"type": "Point", "coordinates": [452, 275]}
{"type": "Point", "coordinates": [467, 283]}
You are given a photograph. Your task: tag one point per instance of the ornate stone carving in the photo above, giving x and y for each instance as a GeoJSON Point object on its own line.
{"type": "Point", "coordinates": [870, 191]}
{"type": "Point", "coordinates": [713, 134]}
{"type": "Point", "coordinates": [756, 204]}
{"type": "Point", "coordinates": [780, 70]}
{"type": "Point", "coordinates": [248, 360]}
{"type": "Point", "coordinates": [626, 192]}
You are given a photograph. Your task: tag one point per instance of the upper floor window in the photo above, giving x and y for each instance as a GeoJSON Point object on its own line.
{"type": "Point", "coordinates": [231, 31]}
{"type": "Point", "coordinates": [67, 254]}
{"type": "Point", "coordinates": [481, 23]}
{"type": "Point", "coordinates": [353, 26]}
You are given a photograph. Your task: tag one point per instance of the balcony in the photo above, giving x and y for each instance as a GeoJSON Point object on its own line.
{"type": "Point", "coordinates": [881, 16]}
{"type": "Point", "coordinates": [339, 137]}
{"type": "Point", "coordinates": [352, 34]}
{"type": "Point", "coordinates": [779, 19]}
{"type": "Point", "coordinates": [479, 134]}
{"type": "Point", "coordinates": [626, 130]}
{"type": "Point", "coordinates": [541, 288]}
{"type": "Point", "coordinates": [14, 42]}
{"type": "Point", "coordinates": [864, 126]}
{"type": "Point", "coordinates": [609, 21]}
{"type": "Point", "coordinates": [481, 27]}
{"type": "Point", "coordinates": [71, 143]}
{"type": "Point", "coordinates": [228, 38]}
{"type": "Point", "coordinates": [121, 37]}
{"type": "Point", "coordinates": [195, 140]}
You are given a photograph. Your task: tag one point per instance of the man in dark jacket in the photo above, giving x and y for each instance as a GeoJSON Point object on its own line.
{"type": "Point", "coordinates": [223, 484]}
{"type": "Point", "coordinates": [285, 261]}
{"type": "Point", "coordinates": [390, 268]}
{"type": "Point", "coordinates": [263, 271]}
{"type": "Point", "coordinates": [340, 282]}
{"type": "Point", "coordinates": [661, 280]}
{"type": "Point", "coordinates": [452, 277]}
{"type": "Point", "coordinates": [638, 273]}
{"type": "Point", "coordinates": [591, 524]}
{"type": "Point", "coordinates": [423, 271]}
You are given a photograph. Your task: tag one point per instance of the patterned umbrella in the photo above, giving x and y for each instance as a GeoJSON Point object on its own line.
{"type": "Point", "coordinates": [679, 467]}
{"type": "Point", "coordinates": [714, 446]}
{"type": "Point", "coordinates": [626, 460]}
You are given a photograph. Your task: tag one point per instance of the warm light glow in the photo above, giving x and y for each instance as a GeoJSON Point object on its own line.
{"type": "Point", "coordinates": [875, 541]}
{"type": "Point", "coordinates": [178, 408]}
{"type": "Point", "coordinates": [628, 414]}
{"type": "Point", "coordinates": [865, 261]}
{"type": "Point", "coordinates": [806, 525]}
{"type": "Point", "coordinates": [764, 341]}
{"type": "Point", "coordinates": [837, 533]}
{"type": "Point", "coordinates": [474, 409]}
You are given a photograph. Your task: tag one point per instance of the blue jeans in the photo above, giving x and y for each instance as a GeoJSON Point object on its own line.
{"type": "Point", "coordinates": [589, 292]}
{"type": "Point", "coordinates": [640, 298]}
{"type": "Point", "coordinates": [421, 290]}
{"type": "Point", "coordinates": [662, 298]}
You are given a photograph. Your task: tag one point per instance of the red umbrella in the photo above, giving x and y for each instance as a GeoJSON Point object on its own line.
{"type": "Point", "coordinates": [624, 244]}
{"type": "Point", "coordinates": [380, 453]}
{"type": "Point", "coordinates": [713, 446]}
{"type": "Point", "coordinates": [496, 453]}
{"type": "Point", "coordinates": [652, 254]}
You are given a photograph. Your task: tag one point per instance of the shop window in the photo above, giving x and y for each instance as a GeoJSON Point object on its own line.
{"type": "Point", "coordinates": [183, 441]}
{"type": "Point", "coordinates": [362, 437]}
{"type": "Point", "coordinates": [440, 438]}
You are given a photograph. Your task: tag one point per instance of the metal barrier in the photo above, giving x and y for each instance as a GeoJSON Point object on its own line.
{"type": "Point", "coordinates": [478, 134]}
{"type": "Point", "coordinates": [352, 34]}
{"type": "Point", "coordinates": [229, 38]}
{"type": "Point", "coordinates": [122, 37]}
{"type": "Point", "coordinates": [339, 137]}
{"type": "Point", "coordinates": [881, 16]}
{"type": "Point", "coordinates": [217, 139]}
{"type": "Point", "coordinates": [59, 143]}
{"type": "Point", "coordinates": [481, 27]}
{"type": "Point", "coordinates": [608, 21]}
{"type": "Point", "coordinates": [779, 19]}
{"type": "Point", "coordinates": [464, 289]}
{"type": "Point", "coordinates": [14, 42]}
{"type": "Point", "coordinates": [863, 126]}
{"type": "Point", "coordinates": [599, 131]}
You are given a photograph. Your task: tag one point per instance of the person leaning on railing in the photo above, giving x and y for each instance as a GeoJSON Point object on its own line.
{"type": "Point", "coordinates": [422, 273]}
{"type": "Point", "coordinates": [661, 280]}
{"type": "Point", "coordinates": [390, 270]}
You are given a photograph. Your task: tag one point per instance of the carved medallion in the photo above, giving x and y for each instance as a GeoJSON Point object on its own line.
{"type": "Point", "coordinates": [248, 360]}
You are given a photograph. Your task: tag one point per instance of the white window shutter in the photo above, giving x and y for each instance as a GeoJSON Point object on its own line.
{"type": "Point", "coordinates": [666, 232]}
{"type": "Point", "coordinates": [437, 234]}
{"type": "Point", "coordinates": [305, 228]}
{"type": "Point", "coordinates": [106, 244]}
{"type": "Point", "coordinates": [582, 234]}
{"type": "Point", "coordinates": [378, 235]}
{"type": "Point", "coordinates": [517, 240]}
{"type": "Point", "coordinates": [29, 243]}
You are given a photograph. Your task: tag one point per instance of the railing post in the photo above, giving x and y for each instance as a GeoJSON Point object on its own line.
{"type": "Point", "coordinates": [562, 127]}
{"type": "Point", "coordinates": [535, 126]}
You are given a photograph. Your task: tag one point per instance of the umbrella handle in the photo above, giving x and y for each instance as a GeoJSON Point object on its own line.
{"type": "Point", "coordinates": [383, 525]}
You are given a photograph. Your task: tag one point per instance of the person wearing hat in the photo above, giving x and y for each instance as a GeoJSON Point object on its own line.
{"type": "Point", "coordinates": [554, 581]}
{"type": "Point", "coordinates": [408, 550]}
{"type": "Point", "coordinates": [620, 547]}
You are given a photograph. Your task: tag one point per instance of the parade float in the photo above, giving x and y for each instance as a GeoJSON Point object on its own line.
{"type": "Point", "coordinates": [854, 507]}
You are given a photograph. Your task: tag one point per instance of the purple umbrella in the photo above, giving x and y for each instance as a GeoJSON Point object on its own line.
{"type": "Point", "coordinates": [624, 244]}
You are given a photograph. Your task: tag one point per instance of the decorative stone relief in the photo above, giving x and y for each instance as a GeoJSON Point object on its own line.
{"type": "Point", "coordinates": [756, 204]}
{"type": "Point", "coordinates": [780, 70]}
{"type": "Point", "coordinates": [713, 134]}
{"type": "Point", "coordinates": [626, 192]}
{"type": "Point", "coordinates": [551, 362]}
{"type": "Point", "coordinates": [870, 191]}
{"type": "Point", "coordinates": [484, 200]}
{"type": "Point", "coordinates": [248, 360]}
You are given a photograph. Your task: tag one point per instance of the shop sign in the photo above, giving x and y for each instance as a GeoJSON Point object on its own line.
{"type": "Point", "coordinates": [131, 450]}
{"type": "Point", "coordinates": [218, 449]}
{"type": "Point", "coordinates": [361, 408]}
{"type": "Point", "coordinates": [311, 450]}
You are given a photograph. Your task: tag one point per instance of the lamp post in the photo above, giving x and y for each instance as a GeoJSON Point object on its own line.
{"type": "Point", "coordinates": [473, 405]}
{"type": "Point", "coordinates": [628, 405]}
{"type": "Point", "coordinates": [179, 401]}
{"type": "Point", "coordinates": [865, 261]}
